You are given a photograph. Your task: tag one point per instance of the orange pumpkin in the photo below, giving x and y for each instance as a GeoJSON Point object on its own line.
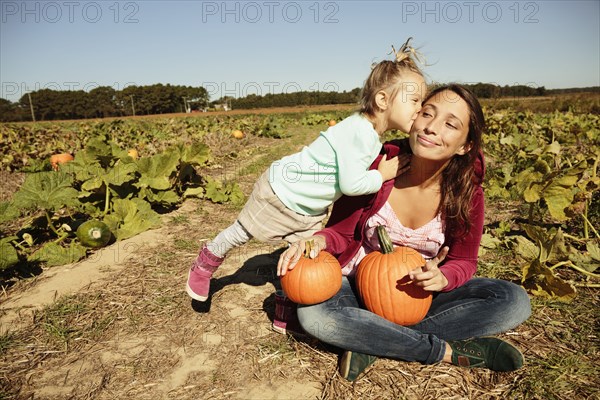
{"type": "Point", "coordinates": [313, 280]}
{"type": "Point", "coordinates": [332, 122]}
{"type": "Point", "coordinates": [384, 285]}
{"type": "Point", "coordinates": [133, 153]}
{"type": "Point", "coordinates": [238, 134]}
{"type": "Point", "coordinates": [60, 159]}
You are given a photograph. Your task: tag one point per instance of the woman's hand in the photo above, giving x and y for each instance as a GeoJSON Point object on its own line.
{"type": "Point", "coordinates": [429, 277]}
{"type": "Point", "coordinates": [289, 258]}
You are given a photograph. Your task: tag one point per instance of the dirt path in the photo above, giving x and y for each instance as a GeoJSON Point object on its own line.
{"type": "Point", "coordinates": [18, 310]}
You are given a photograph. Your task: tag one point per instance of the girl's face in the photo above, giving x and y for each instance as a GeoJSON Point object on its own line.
{"type": "Point", "coordinates": [440, 130]}
{"type": "Point", "coordinates": [405, 106]}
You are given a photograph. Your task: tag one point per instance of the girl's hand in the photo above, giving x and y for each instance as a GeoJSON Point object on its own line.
{"type": "Point", "coordinates": [429, 277]}
{"type": "Point", "coordinates": [289, 258]}
{"type": "Point", "coordinates": [388, 168]}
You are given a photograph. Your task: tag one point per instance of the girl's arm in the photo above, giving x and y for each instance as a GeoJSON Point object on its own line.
{"type": "Point", "coordinates": [354, 154]}
{"type": "Point", "coordinates": [349, 212]}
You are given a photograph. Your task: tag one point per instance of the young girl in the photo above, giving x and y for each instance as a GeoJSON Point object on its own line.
{"type": "Point", "coordinates": [291, 198]}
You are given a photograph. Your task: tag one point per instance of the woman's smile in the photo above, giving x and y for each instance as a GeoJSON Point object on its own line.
{"type": "Point", "coordinates": [425, 141]}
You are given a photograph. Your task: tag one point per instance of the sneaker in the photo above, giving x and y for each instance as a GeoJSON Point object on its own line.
{"type": "Point", "coordinates": [491, 353]}
{"type": "Point", "coordinates": [198, 283]}
{"type": "Point", "coordinates": [286, 317]}
{"type": "Point", "coordinates": [353, 364]}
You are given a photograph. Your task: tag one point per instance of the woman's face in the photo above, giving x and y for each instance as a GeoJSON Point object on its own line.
{"type": "Point", "coordinates": [441, 128]}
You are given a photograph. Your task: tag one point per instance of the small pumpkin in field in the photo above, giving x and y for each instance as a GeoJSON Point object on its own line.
{"type": "Point", "coordinates": [94, 234]}
{"type": "Point", "coordinates": [133, 153]}
{"type": "Point", "coordinates": [61, 158]}
{"type": "Point", "coordinates": [313, 280]}
{"type": "Point", "coordinates": [332, 122]}
{"type": "Point", "coordinates": [384, 285]}
{"type": "Point", "coordinates": [237, 134]}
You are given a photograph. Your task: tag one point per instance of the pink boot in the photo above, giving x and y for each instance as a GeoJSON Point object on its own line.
{"type": "Point", "coordinates": [286, 318]}
{"type": "Point", "coordinates": [198, 283]}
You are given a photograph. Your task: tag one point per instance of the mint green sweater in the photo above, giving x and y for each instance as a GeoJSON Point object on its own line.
{"type": "Point", "coordinates": [336, 163]}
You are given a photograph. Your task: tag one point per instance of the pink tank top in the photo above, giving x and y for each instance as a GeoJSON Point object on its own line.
{"type": "Point", "coordinates": [427, 239]}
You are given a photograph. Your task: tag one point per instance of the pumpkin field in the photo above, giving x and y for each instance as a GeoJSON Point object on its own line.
{"type": "Point", "coordinates": [99, 311]}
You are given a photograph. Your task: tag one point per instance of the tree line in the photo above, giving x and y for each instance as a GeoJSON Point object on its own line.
{"type": "Point", "coordinates": [102, 102]}
{"type": "Point", "coordinates": [105, 101]}
{"type": "Point", "coordinates": [303, 98]}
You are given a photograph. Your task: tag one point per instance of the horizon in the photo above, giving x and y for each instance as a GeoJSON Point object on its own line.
{"type": "Point", "coordinates": [237, 48]}
{"type": "Point", "coordinates": [591, 89]}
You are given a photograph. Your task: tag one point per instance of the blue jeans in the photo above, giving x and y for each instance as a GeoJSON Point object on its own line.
{"type": "Point", "coordinates": [480, 307]}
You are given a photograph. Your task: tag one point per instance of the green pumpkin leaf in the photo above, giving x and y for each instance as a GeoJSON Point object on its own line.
{"type": "Point", "coordinates": [594, 250]}
{"type": "Point", "coordinates": [53, 254]}
{"type": "Point", "coordinates": [194, 192]}
{"type": "Point", "coordinates": [122, 172]}
{"type": "Point", "coordinates": [584, 261]}
{"type": "Point", "coordinates": [489, 242]}
{"type": "Point", "coordinates": [526, 248]}
{"type": "Point", "coordinates": [526, 178]}
{"type": "Point", "coordinates": [47, 191]}
{"type": "Point", "coordinates": [131, 217]}
{"type": "Point", "coordinates": [8, 211]}
{"type": "Point", "coordinates": [542, 167]}
{"type": "Point", "coordinates": [553, 148]}
{"type": "Point", "coordinates": [541, 281]}
{"type": "Point", "coordinates": [533, 193]}
{"type": "Point", "coordinates": [219, 192]}
{"type": "Point", "coordinates": [557, 248]}
{"type": "Point", "coordinates": [156, 170]}
{"type": "Point", "coordinates": [196, 154]}
{"type": "Point", "coordinates": [162, 197]}
{"type": "Point", "coordinates": [8, 254]}
{"type": "Point", "coordinates": [214, 191]}
{"type": "Point", "coordinates": [559, 195]}
{"type": "Point", "coordinates": [94, 179]}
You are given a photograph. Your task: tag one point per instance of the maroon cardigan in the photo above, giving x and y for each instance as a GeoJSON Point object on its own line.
{"type": "Point", "coordinates": [344, 231]}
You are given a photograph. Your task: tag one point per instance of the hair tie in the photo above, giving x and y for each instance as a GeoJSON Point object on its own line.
{"type": "Point", "coordinates": [406, 51]}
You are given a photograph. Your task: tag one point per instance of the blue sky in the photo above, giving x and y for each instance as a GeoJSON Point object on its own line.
{"type": "Point", "coordinates": [240, 47]}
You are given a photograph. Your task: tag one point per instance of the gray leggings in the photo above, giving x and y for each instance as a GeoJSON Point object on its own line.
{"type": "Point", "coordinates": [233, 236]}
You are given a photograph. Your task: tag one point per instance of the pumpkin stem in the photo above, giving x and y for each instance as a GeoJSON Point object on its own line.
{"type": "Point", "coordinates": [308, 247]}
{"type": "Point", "coordinates": [384, 240]}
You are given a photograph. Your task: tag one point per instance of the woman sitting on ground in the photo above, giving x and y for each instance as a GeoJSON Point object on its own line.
{"type": "Point", "coordinates": [436, 206]}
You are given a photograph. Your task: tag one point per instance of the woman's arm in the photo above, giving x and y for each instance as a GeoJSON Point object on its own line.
{"type": "Point", "coordinates": [461, 262]}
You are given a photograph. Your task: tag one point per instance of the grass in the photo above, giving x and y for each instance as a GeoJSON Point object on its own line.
{"type": "Point", "coordinates": [60, 320]}
{"type": "Point", "coordinates": [185, 244]}
{"type": "Point", "coordinates": [180, 219]}
{"type": "Point", "coordinates": [7, 340]}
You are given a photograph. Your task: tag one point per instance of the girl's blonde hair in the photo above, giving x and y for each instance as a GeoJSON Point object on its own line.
{"type": "Point", "coordinates": [386, 74]}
